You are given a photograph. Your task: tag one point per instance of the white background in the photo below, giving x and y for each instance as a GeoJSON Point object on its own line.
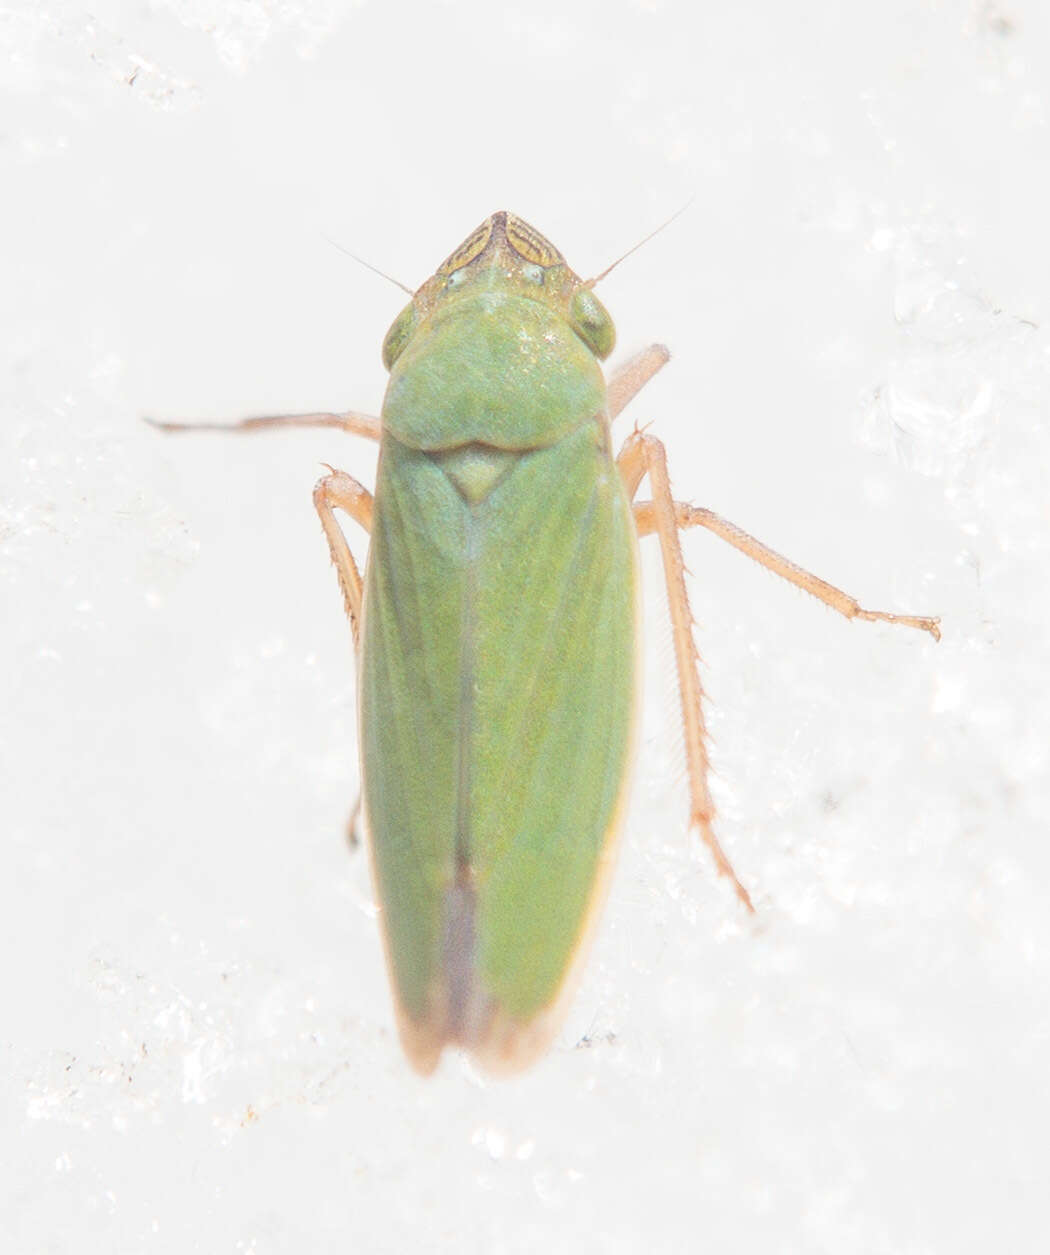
{"type": "Point", "coordinates": [198, 1047]}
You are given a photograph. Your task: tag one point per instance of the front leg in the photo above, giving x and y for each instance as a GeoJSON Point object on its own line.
{"type": "Point", "coordinates": [629, 379]}
{"type": "Point", "coordinates": [350, 421]}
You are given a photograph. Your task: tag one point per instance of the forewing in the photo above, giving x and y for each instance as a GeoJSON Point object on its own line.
{"type": "Point", "coordinates": [554, 668]}
{"type": "Point", "coordinates": [410, 700]}
{"type": "Point", "coordinates": [497, 685]}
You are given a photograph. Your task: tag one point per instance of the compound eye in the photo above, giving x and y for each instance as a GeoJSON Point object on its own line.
{"type": "Point", "coordinates": [534, 274]}
{"type": "Point", "coordinates": [591, 322]}
{"type": "Point", "coordinates": [399, 334]}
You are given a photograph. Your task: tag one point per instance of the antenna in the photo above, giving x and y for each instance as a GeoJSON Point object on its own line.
{"type": "Point", "coordinates": [645, 240]}
{"type": "Point", "coordinates": [375, 269]}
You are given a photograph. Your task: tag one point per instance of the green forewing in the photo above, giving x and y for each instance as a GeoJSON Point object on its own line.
{"type": "Point", "coordinates": [496, 690]}
{"type": "Point", "coordinates": [411, 665]}
{"type": "Point", "coordinates": [553, 662]}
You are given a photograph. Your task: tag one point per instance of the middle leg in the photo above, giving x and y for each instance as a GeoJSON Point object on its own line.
{"type": "Point", "coordinates": [339, 490]}
{"type": "Point", "coordinates": [646, 520]}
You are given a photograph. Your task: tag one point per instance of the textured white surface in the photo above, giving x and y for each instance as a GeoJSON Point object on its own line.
{"type": "Point", "coordinates": [198, 1050]}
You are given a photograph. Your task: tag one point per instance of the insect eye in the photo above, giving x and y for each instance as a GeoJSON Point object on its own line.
{"type": "Point", "coordinates": [399, 334]}
{"type": "Point", "coordinates": [455, 279]}
{"type": "Point", "coordinates": [534, 274]}
{"type": "Point", "coordinates": [591, 322]}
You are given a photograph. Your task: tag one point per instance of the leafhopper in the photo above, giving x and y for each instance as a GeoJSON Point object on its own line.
{"type": "Point", "coordinates": [496, 636]}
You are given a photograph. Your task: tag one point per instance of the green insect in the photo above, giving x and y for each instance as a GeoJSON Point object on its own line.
{"type": "Point", "coordinates": [496, 633]}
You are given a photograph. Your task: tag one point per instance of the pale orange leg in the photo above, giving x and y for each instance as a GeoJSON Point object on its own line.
{"type": "Point", "coordinates": [337, 490]}
{"type": "Point", "coordinates": [630, 378]}
{"type": "Point", "coordinates": [351, 421]}
{"type": "Point", "coordinates": [341, 491]}
{"type": "Point", "coordinates": [646, 517]}
{"type": "Point", "coordinates": [644, 455]}
{"type": "Point", "coordinates": [353, 825]}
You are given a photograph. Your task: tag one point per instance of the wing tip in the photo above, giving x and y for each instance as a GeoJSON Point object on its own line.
{"type": "Point", "coordinates": [506, 1047]}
